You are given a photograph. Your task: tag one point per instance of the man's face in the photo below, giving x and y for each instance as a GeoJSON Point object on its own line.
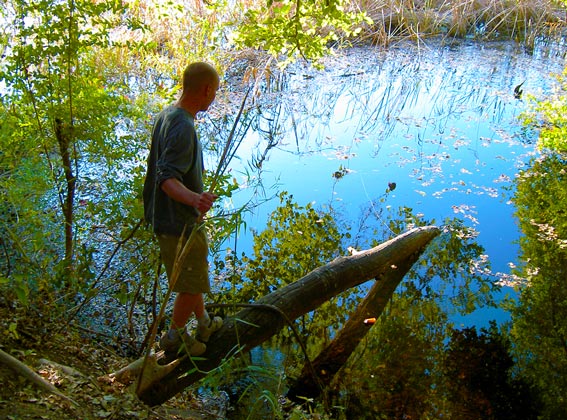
{"type": "Point", "coordinates": [210, 95]}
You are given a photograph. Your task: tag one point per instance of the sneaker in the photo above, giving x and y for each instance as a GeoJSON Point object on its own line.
{"type": "Point", "coordinates": [173, 343]}
{"type": "Point", "coordinates": [204, 332]}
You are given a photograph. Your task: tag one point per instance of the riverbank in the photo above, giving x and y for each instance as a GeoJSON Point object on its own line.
{"type": "Point", "coordinates": [77, 365]}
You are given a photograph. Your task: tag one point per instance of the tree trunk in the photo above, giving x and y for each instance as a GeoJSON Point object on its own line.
{"type": "Point", "coordinates": [254, 325]}
{"type": "Point", "coordinates": [67, 204]}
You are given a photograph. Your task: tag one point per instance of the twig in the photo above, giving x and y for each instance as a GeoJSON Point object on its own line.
{"type": "Point", "coordinates": [223, 162]}
{"type": "Point", "coordinates": [106, 265]}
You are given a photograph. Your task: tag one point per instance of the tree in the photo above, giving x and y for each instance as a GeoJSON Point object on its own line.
{"type": "Point", "coordinates": [397, 372]}
{"type": "Point", "coordinates": [539, 318]}
{"type": "Point", "coordinates": [480, 381]}
{"type": "Point", "coordinates": [80, 80]}
{"type": "Point", "coordinates": [394, 374]}
{"type": "Point", "coordinates": [549, 116]}
{"type": "Point", "coordinates": [62, 112]}
{"type": "Point", "coordinates": [299, 28]}
{"type": "Point", "coordinates": [297, 239]}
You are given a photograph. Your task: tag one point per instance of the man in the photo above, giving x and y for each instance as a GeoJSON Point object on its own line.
{"type": "Point", "coordinates": [173, 202]}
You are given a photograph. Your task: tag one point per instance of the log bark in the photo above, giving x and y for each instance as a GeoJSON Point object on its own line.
{"type": "Point", "coordinates": [253, 325]}
{"type": "Point", "coordinates": [318, 374]}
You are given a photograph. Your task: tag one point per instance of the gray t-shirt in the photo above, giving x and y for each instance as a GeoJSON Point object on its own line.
{"type": "Point", "coordinates": [175, 152]}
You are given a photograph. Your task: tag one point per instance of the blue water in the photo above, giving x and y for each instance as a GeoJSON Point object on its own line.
{"type": "Point", "coordinates": [442, 123]}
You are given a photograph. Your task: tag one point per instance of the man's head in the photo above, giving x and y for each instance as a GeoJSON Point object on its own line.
{"type": "Point", "coordinates": [200, 84]}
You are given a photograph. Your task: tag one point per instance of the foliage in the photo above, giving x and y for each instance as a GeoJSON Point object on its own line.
{"type": "Point", "coordinates": [539, 330]}
{"type": "Point", "coordinates": [174, 34]}
{"type": "Point", "coordinates": [61, 112]}
{"type": "Point", "coordinates": [413, 365]}
{"type": "Point", "coordinates": [80, 82]}
{"type": "Point", "coordinates": [397, 371]}
{"type": "Point", "coordinates": [394, 373]}
{"type": "Point", "coordinates": [299, 28]}
{"type": "Point", "coordinates": [252, 389]}
{"type": "Point", "coordinates": [297, 240]}
{"type": "Point", "coordinates": [549, 115]}
{"type": "Point", "coordinates": [453, 269]}
{"type": "Point", "coordinates": [478, 369]}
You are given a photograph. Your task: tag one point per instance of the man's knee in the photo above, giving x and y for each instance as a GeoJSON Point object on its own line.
{"type": "Point", "coordinates": [191, 297]}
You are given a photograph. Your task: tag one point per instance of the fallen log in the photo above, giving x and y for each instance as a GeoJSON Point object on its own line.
{"type": "Point", "coordinates": [318, 374]}
{"type": "Point", "coordinates": [253, 325]}
{"type": "Point", "coordinates": [33, 377]}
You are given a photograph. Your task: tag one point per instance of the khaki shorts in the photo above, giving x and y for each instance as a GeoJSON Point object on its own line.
{"type": "Point", "coordinates": [194, 275]}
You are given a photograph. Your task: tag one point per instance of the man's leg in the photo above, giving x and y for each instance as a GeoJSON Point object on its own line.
{"type": "Point", "coordinates": [184, 306]}
{"type": "Point", "coordinates": [194, 276]}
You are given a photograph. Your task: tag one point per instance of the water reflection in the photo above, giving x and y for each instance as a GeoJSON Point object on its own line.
{"type": "Point", "coordinates": [540, 315]}
{"type": "Point", "coordinates": [439, 122]}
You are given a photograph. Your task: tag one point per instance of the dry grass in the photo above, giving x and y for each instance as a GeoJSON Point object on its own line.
{"type": "Point", "coordinates": [519, 20]}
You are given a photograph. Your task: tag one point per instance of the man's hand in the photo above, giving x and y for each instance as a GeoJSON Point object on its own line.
{"type": "Point", "coordinates": [179, 192]}
{"type": "Point", "coordinates": [205, 202]}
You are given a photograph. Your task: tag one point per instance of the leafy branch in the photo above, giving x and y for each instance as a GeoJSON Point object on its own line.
{"type": "Point", "coordinates": [299, 28]}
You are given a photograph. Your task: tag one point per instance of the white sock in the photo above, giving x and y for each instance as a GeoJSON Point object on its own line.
{"type": "Point", "coordinates": [205, 320]}
{"type": "Point", "coordinates": [173, 332]}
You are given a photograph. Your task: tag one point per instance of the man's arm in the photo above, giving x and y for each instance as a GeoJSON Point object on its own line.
{"type": "Point", "coordinates": [179, 192]}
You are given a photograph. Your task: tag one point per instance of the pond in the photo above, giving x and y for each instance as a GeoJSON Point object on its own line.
{"type": "Point", "coordinates": [439, 121]}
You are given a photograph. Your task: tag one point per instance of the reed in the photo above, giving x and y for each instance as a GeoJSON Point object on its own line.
{"type": "Point", "coordinates": [518, 20]}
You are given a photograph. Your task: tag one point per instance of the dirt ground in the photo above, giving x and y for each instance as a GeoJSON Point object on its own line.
{"type": "Point", "coordinates": [78, 367]}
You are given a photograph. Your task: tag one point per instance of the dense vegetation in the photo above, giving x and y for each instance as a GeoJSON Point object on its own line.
{"type": "Point", "coordinates": [80, 81]}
